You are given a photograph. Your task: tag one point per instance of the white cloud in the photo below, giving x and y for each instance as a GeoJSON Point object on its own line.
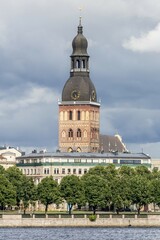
{"type": "Point", "coordinates": [147, 42]}
{"type": "Point", "coordinates": [32, 95]}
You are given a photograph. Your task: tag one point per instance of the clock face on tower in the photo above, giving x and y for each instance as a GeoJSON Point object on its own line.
{"type": "Point", "coordinates": [75, 94]}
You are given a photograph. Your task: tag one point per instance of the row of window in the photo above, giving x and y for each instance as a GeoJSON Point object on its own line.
{"type": "Point", "coordinates": [116, 161]}
{"type": "Point", "coordinates": [56, 171]}
{"type": "Point", "coordinates": [79, 115]}
{"type": "Point", "coordinates": [71, 134]}
{"type": "Point", "coordinates": [31, 171]}
{"type": "Point", "coordinates": [71, 115]}
{"type": "Point", "coordinates": [79, 63]}
{"type": "Point", "coordinates": [80, 171]}
{"type": "Point", "coordinates": [83, 160]}
{"type": "Point", "coordinates": [70, 171]}
{"type": "Point", "coordinates": [94, 133]}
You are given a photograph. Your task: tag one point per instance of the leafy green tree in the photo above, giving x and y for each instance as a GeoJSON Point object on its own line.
{"type": "Point", "coordinates": [107, 173]}
{"type": "Point", "coordinates": [143, 171]}
{"type": "Point", "coordinates": [72, 191]}
{"type": "Point", "coordinates": [155, 192]}
{"type": "Point", "coordinates": [48, 192]}
{"type": "Point", "coordinates": [110, 172]}
{"type": "Point", "coordinates": [29, 193]}
{"type": "Point", "coordinates": [2, 170]}
{"type": "Point", "coordinates": [15, 176]}
{"type": "Point", "coordinates": [121, 192]}
{"type": "Point", "coordinates": [98, 170]}
{"type": "Point", "coordinates": [141, 191]}
{"type": "Point", "coordinates": [7, 192]}
{"type": "Point", "coordinates": [95, 191]}
{"type": "Point", "coordinates": [155, 174]}
{"type": "Point", "coordinates": [126, 171]}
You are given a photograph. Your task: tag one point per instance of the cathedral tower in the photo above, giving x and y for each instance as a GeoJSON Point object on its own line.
{"type": "Point", "coordinates": [79, 109]}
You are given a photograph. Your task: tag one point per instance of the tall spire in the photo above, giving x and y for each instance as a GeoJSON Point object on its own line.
{"type": "Point", "coordinates": [79, 81]}
{"type": "Point", "coordinates": [80, 20]}
{"type": "Point", "coordinates": [80, 28]}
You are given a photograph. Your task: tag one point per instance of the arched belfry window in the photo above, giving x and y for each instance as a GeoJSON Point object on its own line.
{"type": "Point", "coordinates": [70, 133]}
{"type": "Point", "coordinates": [79, 133]}
{"type": "Point", "coordinates": [83, 64]}
{"type": "Point", "coordinates": [78, 64]}
{"type": "Point", "coordinates": [72, 64]}
{"type": "Point", "coordinates": [78, 115]}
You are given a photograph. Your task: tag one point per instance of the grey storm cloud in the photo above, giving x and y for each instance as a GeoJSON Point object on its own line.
{"type": "Point", "coordinates": [35, 47]}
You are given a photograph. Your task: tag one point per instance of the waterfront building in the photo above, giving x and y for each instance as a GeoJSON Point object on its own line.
{"type": "Point", "coordinates": [8, 156]}
{"type": "Point", "coordinates": [43, 164]}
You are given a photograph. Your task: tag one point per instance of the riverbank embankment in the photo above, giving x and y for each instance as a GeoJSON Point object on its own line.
{"type": "Point", "coordinates": [79, 221]}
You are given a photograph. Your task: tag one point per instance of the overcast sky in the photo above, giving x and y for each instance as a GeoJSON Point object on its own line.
{"type": "Point", "coordinates": [124, 49]}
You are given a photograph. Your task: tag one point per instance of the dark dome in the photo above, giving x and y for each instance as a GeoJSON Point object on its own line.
{"type": "Point", "coordinates": [84, 88]}
{"type": "Point", "coordinates": [79, 44]}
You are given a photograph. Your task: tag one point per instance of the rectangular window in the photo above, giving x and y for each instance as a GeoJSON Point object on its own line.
{"type": "Point", "coordinates": [63, 170]}
{"type": "Point", "coordinates": [79, 171]}
{"type": "Point", "coordinates": [74, 171]}
{"type": "Point", "coordinates": [70, 115]}
{"type": "Point", "coordinates": [77, 160]}
{"type": "Point", "coordinates": [78, 115]}
{"type": "Point", "coordinates": [85, 171]}
{"type": "Point", "coordinates": [56, 170]}
{"type": "Point", "coordinates": [115, 161]}
{"type": "Point", "coordinates": [84, 160]}
{"type": "Point", "coordinates": [69, 171]}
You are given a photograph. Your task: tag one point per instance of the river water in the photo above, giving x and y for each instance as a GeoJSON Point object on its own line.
{"type": "Point", "coordinates": [80, 233]}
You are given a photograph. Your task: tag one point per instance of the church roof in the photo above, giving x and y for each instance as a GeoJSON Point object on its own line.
{"type": "Point", "coordinates": [82, 85]}
{"type": "Point", "coordinates": [112, 144]}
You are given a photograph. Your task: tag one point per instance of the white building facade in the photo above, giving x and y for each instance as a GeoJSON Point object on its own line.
{"type": "Point", "coordinates": [58, 165]}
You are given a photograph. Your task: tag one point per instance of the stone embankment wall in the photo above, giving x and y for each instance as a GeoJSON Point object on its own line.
{"type": "Point", "coordinates": [71, 221]}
